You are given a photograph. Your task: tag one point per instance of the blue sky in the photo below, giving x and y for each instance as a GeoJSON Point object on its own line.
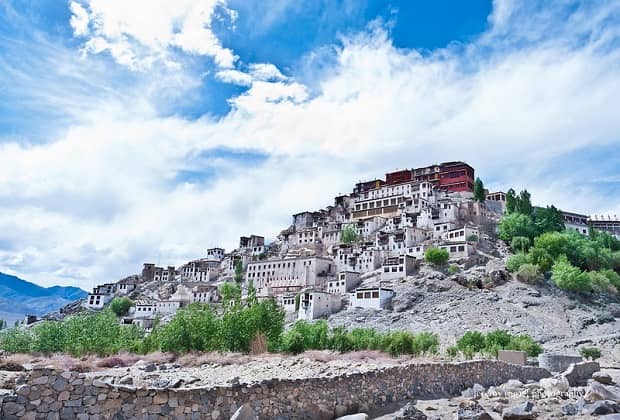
{"type": "Point", "coordinates": [152, 130]}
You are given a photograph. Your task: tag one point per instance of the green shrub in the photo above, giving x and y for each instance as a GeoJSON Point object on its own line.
{"type": "Point", "coordinates": [591, 353]}
{"type": "Point", "coordinates": [472, 238]}
{"type": "Point", "coordinates": [49, 337]}
{"type": "Point", "coordinates": [568, 277]}
{"type": "Point", "coordinates": [16, 340]}
{"type": "Point", "coordinates": [365, 339]}
{"type": "Point", "coordinates": [613, 277]}
{"type": "Point", "coordinates": [471, 341]}
{"type": "Point", "coordinates": [120, 306]}
{"type": "Point", "coordinates": [525, 343]}
{"type": "Point", "coordinates": [452, 352]}
{"type": "Point", "coordinates": [541, 258]}
{"type": "Point", "coordinates": [339, 340]}
{"type": "Point", "coordinates": [293, 342]}
{"type": "Point", "coordinates": [520, 243]}
{"type": "Point", "coordinates": [516, 261]}
{"type": "Point", "coordinates": [453, 269]}
{"type": "Point", "coordinates": [425, 343]}
{"type": "Point", "coordinates": [399, 342]}
{"type": "Point", "coordinates": [516, 224]}
{"type": "Point", "coordinates": [436, 256]}
{"type": "Point", "coordinates": [529, 273]}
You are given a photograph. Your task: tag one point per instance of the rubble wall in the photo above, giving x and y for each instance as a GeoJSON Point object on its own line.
{"type": "Point", "coordinates": [52, 394]}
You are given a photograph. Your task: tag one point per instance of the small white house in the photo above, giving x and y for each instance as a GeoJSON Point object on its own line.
{"type": "Point", "coordinates": [343, 283]}
{"type": "Point", "coordinates": [144, 309]}
{"type": "Point", "coordinates": [398, 267]}
{"type": "Point", "coordinates": [458, 250]}
{"type": "Point", "coordinates": [287, 302]}
{"type": "Point", "coordinates": [460, 234]}
{"type": "Point", "coordinates": [313, 304]}
{"type": "Point", "coordinates": [97, 300]}
{"type": "Point", "coordinates": [166, 307]}
{"type": "Point", "coordinates": [373, 298]}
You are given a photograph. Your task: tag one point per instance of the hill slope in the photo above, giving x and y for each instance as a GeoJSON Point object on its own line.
{"type": "Point", "coordinates": [19, 297]}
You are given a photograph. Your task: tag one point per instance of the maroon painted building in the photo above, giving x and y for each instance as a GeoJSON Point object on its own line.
{"type": "Point", "coordinates": [456, 176]}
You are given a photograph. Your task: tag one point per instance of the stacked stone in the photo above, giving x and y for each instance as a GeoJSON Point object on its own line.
{"type": "Point", "coordinates": [53, 394]}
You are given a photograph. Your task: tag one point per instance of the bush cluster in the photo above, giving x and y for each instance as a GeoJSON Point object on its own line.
{"type": "Point", "coordinates": [436, 256]}
{"type": "Point", "coordinates": [77, 335]}
{"type": "Point", "coordinates": [317, 336]}
{"type": "Point", "coordinates": [577, 263]}
{"type": "Point", "coordinates": [194, 328]}
{"type": "Point", "coordinates": [475, 342]}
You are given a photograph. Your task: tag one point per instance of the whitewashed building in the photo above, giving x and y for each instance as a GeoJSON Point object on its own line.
{"type": "Point", "coordinates": [373, 298]}
{"type": "Point", "coordinates": [97, 300]}
{"type": "Point", "coordinates": [283, 276]}
{"type": "Point", "coordinates": [343, 283]}
{"type": "Point", "coordinates": [398, 267]}
{"type": "Point", "coordinates": [167, 307]}
{"type": "Point", "coordinates": [314, 304]}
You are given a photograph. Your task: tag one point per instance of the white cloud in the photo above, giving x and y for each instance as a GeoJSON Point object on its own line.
{"type": "Point", "coordinates": [95, 203]}
{"type": "Point", "coordinates": [140, 33]}
{"type": "Point", "coordinates": [79, 19]}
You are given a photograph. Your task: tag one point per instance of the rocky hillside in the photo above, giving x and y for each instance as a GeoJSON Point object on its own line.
{"type": "Point", "coordinates": [485, 297]}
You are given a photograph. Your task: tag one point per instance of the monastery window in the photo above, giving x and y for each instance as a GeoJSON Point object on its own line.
{"type": "Point", "coordinates": [462, 248]}
{"type": "Point", "coordinates": [367, 295]}
{"type": "Point", "coordinates": [375, 295]}
{"type": "Point", "coordinates": [452, 249]}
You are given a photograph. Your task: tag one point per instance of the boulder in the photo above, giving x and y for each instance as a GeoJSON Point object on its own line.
{"type": "Point", "coordinates": [597, 392]}
{"type": "Point", "coordinates": [578, 373]}
{"type": "Point", "coordinates": [598, 408]}
{"type": "Point", "coordinates": [556, 385]}
{"type": "Point", "coordinates": [603, 378]}
{"type": "Point", "coordinates": [471, 410]}
{"type": "Point", "coordinates": [245, 412]}
{"type": "Point", "coordinates": [496, 271]}
{"type": "Point", "coordinates": [410, 412]}
{"type": "Point", "coordinates": [523, 411]}
{"type": "Point", "coordinates": [474, 392]}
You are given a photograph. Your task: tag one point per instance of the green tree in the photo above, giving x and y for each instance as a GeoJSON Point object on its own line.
{"type": "Point", "coordinates": [568, 277]}
{"type": "Point", "coordinates": [49, 337]}
{"type": "Point", "coordinates": [548, 219]}
{"type": "Point", "coordinates": [436, 256]}
{"type": "Point", "coordinates": [472, 340]}
{"type": "Point", "coordinates": [2, 324]}
{"type": "Point", "coordinates": [520, 243]}
{"type": "Point", "coordinates": [590, 353]}
{"type": "Point", "coordinates": [238, 271]}
{"type": "Point", "coordinates": [16, 340]}
{"type": "Point", "coordinates": [230, 292]}
{"type": "Point", "coordinates": [516, 224]}
{"type": "Point", "coordinates": [524, 203]}
{"type": "Point", "coordinates": [349, 235]}
{"type": "Point", "coordinates": [479, 193]}
{"type": "Point", "coordinates": [252, 300]}
{"type": "Point", "coordinates": [120, 306]}
{"type": "Point", "coordinates": [511, 201]}
{"type": "Point", "coordinates": [516, 261]}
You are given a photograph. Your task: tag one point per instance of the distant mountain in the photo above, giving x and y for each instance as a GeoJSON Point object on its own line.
{"type": "Point", "coordinates": [19, 297]}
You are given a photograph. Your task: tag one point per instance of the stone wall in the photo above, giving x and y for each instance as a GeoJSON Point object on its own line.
{"type": "Point", "coordinates": [557, 362]}
{"type": "Point", "coordinates": [578, 373]}
{"type": "Point", "coordinates": [52, 394]}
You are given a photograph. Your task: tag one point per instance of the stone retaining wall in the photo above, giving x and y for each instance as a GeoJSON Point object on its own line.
{"type": "Point", "coordinates": [52, 394]}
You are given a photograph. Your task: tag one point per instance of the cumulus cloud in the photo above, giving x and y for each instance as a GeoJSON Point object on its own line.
{"type": "Point", "coordinates": [110, 193]}
{"type": "Point", "coordinates": [140, 33]}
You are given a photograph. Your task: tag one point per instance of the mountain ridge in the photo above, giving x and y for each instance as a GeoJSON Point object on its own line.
{"type": "Point", "coordinates": [19, 297]}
